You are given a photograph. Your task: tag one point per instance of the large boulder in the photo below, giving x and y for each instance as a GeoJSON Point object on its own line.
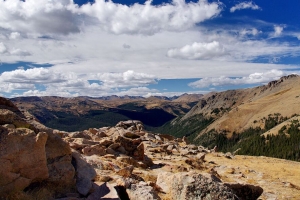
{"type": "Point", "coordinates": [85, 174]}
{"type": "Point", "coordinates": [59, 158]}
{"type": "Point", "coordinates": [142, 190]}
{"type": "Point", "coordinates": [192, 186]}
{"type": "Point", "coordinates": [133, 147]}
{"type": "Point", "coordinates": [23, 159]}
{"type": "Point", "coordinates": [31, 153]}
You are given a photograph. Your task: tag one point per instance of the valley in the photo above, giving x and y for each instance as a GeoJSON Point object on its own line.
{"type": "Point", "coordinates": [80, 113]}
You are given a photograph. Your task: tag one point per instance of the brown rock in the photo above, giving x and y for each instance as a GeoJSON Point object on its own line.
{"type": "Point", "coordinates": [106, 142]}
{"type": "Point", "coordinates": [9, 117]}
{"type": "Point", "coordinates": [126, 171]}
{"type": "Point", "coordinates": [147, 161]}
{"type": "Point", "coordinates": [93, 131]}
{"type": "Point", "coordinates": [23, 159]}
{"type": "Point", "coordinates": [59, 159]}
{"type": "Point", "coordinates": [121, 150]}
{"type": "Point", "coordinates": [114, 146]}
{"type": "Point", "coordinates": [79, 134]}
{"type": "Point", "coordinates": [127, 159]}
{"type": "Point", "coordinates": [9, 126]}
{"type": "Point", "coordinates": [201, 156]}
{"type": "Point", "coordinates": [94, 150]}
{"type": "Point", "coordinates": [101, 134]}
{"type": "Point", "coordinates": [130, 145]}
{"type": "Point", "coordinates": [130, 134]}
{"type": "Point", "coordinates": [79, 143]}
{"type": "Point", "coordinates": [111, 151]}
{"type": "Point", "coordinates": [139, 152]}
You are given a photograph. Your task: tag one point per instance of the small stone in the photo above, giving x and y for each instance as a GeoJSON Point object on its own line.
{"type": "Point", "coordinates": [126, 171]}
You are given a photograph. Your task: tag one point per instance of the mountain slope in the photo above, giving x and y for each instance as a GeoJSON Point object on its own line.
{"type": "Point", "coordinates": [237, 110]}
{"type": "Point", "coordinates": [239, 118]}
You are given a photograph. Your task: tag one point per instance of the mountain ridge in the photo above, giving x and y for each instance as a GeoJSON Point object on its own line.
{"type": "Point", "coordinates": [60, 112]}
{"type": "Point", "coordinates": [249, 104]}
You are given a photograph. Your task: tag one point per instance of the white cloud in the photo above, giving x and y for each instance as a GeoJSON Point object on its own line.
{"type": "Point", "coordinates": [245, 5]}
{"type": "Point", "coordinates": [252, 31]}
{"type": "Point", "coordinates": [65, 17]}
{"type": "Point", "coordinates": [19, 52]}
{"type": "Point", "coordinates": [126, 79]}
{"type": "Point", "coordinates": [71, 84]}
{"type": "Point", "coordinates": [15, 52]}
{"type": "Point", "coordinates": [297, 35]}
{"type": "Point", "coordinates": [32, 76]}
{"type": "Point", "coordinates": [278, 30]}
{"type": "Point", "coordinates": [3, 48]}
{"type": "Point", "coordinates": [43, 16]}
{"type": "Point", "coordinates": [198, 51]}
{"type": "Point", "coordinates": [254, 78]}
{"type": "Point", "coordinates": [9, 87]}
{"type": "Point", "coordinates": [138, 91]}
{"type": "Point", "coordinates": [14, 35]}
{"type": "Point", "coordinates": [149, 19]}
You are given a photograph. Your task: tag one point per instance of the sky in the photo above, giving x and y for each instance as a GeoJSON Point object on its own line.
{"type": "Point", "coordinates": [143, 48]}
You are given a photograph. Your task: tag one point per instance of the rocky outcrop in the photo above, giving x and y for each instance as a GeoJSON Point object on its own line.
{"type": "Point", "coordinates": [30, 155]}
{"type": "Point", "coordinates": [23, 159]}
{"type": "Point", "coordinates": [121, 162]}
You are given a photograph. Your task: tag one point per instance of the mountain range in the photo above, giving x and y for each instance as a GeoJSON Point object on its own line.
{"type": "Point", "coordinates": [79, 113]}
{"type": "Point", "coordinates": [230, 119]}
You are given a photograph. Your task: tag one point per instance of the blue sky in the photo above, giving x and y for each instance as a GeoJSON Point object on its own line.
{"type": "Point", "coordinates": [100, 48]}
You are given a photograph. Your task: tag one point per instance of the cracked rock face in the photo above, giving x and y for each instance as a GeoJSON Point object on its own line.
{"type": "Point", "coordinates": [30, 155]}
{"type": "Point", "coordinates": [22, 157]}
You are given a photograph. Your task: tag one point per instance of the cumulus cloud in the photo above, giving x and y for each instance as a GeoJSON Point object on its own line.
{"type": "Point", "coordinates": [9, 87]}
{"type": "Point", "coordinates": [254, 78]}
{"type": "Point", "coordinates": [198, 51]}
{"type": "Point", "coordinates": [149, 19]}
{"type": "Point", "coordinates": [71, 84]}
{"type": "Point", "coordinates": [126, 79]}
{"type": "Point", "coordinates": [278, 30]}
{"type": "Point", "coordinates": [32, 76]}
{"type": "Point", "coordinates": [43, 16]}
{"type": "Point", "coordinates": [245, 5]}
{"type": "Point", "coordinates": [65, 17]}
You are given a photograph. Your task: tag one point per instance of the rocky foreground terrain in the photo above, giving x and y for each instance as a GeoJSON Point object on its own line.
{"type": "Point", "coordinates": [127, 162]}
